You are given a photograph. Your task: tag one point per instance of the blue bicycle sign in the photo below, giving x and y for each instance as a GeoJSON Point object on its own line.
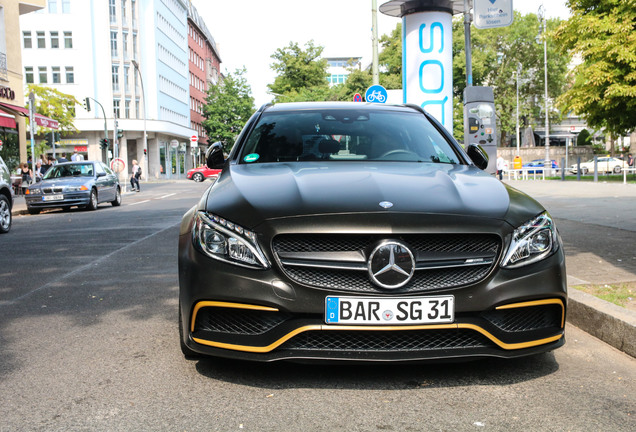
{"type": "Point", "coordinates": [376, 94]}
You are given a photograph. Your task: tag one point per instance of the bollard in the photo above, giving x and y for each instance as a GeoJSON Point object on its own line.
{"type": "Point", "coordinates": [578, 169]}
{"type": "Point", "coordinates": [595, 169]}
{"type": "Point", "coordinates": [563, 169]}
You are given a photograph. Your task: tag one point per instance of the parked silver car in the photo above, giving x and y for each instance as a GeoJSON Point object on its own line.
{"type": "Point", "coordinates": [85, 184]}
{"type": "Point", "coordinates": [6, 198]}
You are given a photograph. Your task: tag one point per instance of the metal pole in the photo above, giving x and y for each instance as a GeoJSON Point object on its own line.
{"type": "Point", "coordinates": [518, 137]}
{"type": "Point", "coordinates": [105, 125]}
{"type": "Point", "coordinates": [467, 47]}
{"type": "Point", "coordinates": [374, 23]}
{"type": "Point", "coordinates": [143, 95]}
{"type": "Point", "coordinates": [32, 130]}
{"type": "Point", "coordinates": [548, 162]}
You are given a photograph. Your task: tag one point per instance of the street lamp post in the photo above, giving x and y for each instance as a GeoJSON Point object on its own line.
{"type": "Point", "coordinates": [543, 31]}
{"type": "Point", "coordinates": [143, 95]}
{"type": "Point", "coordinates": [518, 71]}
{"type": "Point", "coordinates": [105, 125]}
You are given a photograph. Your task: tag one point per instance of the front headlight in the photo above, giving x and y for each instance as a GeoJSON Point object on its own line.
{"type": "Point", "coordinates": [532, 242]}
{"type": "Point", "coordinates": [76, 188]}
{"type": "Point", "coordinates": [33, 191]}
{"type": "Point", "coordinates": [226, 241]}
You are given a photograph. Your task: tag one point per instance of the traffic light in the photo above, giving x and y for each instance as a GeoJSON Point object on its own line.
{"type": "Point", "coordinates": [103, 143]}
{"type": "Point", "coordinates": [87, 104]}
{"type": "Point", "coordinates": [120, 133]}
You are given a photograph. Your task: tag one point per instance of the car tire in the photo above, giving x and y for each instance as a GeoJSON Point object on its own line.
{"type": "Point", "coordinates": [187, 352]}
{"type": "Point", "coordinates": [584, 170]}
{"type": "Point", "coordinates": [117, 201]}
{"type": "Point", "coordinates": [617, 169]}
{"type": "Point", "coordinates": [198, 177]}
{"type": "Point", "coordinates": [92, 202]}
{"type": "Point", "coordinates": [5, 215]}
{"type": "Point", "coordinates": [33, 211]}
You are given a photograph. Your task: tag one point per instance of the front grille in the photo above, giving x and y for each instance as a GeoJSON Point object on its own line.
{"type": "Point", "coordinates": [442, 260]}
{"type": "Point", "coordinates": [381, 341]}
{"type": "Point", "coordinates": [238, 321]}
{"type": "Point", "coordinates": [55, 190]}
{"type": "Point", "coordinates": [525, 318]}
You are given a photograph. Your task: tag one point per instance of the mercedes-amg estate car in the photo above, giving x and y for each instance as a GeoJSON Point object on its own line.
{"type": "Point", "coordinates": [364, 232]}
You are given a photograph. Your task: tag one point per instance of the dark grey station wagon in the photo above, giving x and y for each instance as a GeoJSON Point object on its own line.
{"type": "Point", "coordinates": [364, 232]}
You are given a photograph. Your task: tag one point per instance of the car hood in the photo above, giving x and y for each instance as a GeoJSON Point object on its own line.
{"type": "Point", "coordinates": [249, 194]}
{"type": "Point", "coordinates": [62, 181]}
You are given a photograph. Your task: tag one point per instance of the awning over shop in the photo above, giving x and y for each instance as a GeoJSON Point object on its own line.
{"type": "Point", "coordinates": [7, 121]}
{"type": "Point", "coordinates": [40, 119]}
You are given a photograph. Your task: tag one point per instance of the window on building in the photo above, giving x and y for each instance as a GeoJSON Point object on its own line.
{"type": "Point", "coordinates": [115, 78]}
{"type": "Point", "coordinates": [112, 10]}
{"type": "Point", "coordinates": [41, 39]}
{"type": "Point", "coordinates": [124, 43]}
{"type": "Point", "coordinates": [56, 76]}
{"type": "Point", "coordinates": [52, 6]}
{"type": "Point", "coordinates": [42, 72]}
{"type": "Point", "coordinates": [134, 47]}
{"type": "Point", "coordinates": [133, 12]}
{"type": "Point", "coordinates": [116, 107]}
{"type": "Point", "coordinates": [70, 75]}
{"type": "Point", "coordinates": [137, 108]}
{"type": "Point", "coordinates": [126, 80]}
{"type": "Point", "coordinates": [28, 74]}
{"type": "Point", "coordinates": [66, 6]}
{"type": "Point", "coordinates": [68, 39]}
{"type": "Point", "coordinates": [113, 44]}
{"type": "Point", "coordinates": [28, 41]}
{"type": "Point", "coordinates": [127, 108]}
{"type": "Point", "coordinates": [55, 39]}
{"type": "Point", "coordinates": [123, 11]}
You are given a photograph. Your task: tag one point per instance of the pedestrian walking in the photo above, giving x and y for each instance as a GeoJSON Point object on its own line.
{"type": "Point", "coordinates": [501, 165]}
{"type": "Point", "coordinates": [135, 175]}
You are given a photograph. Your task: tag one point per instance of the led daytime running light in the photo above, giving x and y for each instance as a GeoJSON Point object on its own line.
{"type": "Point", "coordinates": [532, 242]}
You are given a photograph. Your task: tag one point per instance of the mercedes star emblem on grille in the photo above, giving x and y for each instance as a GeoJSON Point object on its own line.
{"type": "Point", "coordinates": [391, 265]}
{"type": "Point", "coordinates": [386, 204]}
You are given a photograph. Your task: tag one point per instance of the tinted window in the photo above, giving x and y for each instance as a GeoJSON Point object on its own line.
{"type": "Point", "coordinates": [70, 170]}
{"type": "Point", "coordinates": [343, 134]}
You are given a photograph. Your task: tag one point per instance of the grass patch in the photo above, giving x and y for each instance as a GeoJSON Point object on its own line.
{"type": "Point", "coordinates": [619, 294]}
{"type": "Point", "coordinates": [611, 178]}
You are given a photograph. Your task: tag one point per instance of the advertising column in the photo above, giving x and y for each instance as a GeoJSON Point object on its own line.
{"type": "Point", "coordinates": [427, 55]}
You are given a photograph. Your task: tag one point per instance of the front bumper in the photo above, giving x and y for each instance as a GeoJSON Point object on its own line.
{"type": "Point", "coordinates": [80, 198]}
{"type": "Point", "coordinates": [261, 315]}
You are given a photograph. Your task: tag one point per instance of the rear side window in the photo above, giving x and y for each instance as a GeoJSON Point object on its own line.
{"type": "Point", "coordinates": [346, 135]}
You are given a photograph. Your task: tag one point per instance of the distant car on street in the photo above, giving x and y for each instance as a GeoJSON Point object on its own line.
{"type": "Point", "coordinates": [6, 198]}
{"type": "Point", "coordinates": [84, 184]}
{"type": "Point", "coordinates": [606, 164]}
{"type": "Point", "coordinates": [536, 166]}
{"type": "Point", "coordinates": [201, 173]}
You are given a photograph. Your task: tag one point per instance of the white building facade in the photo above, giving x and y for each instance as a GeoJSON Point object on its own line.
{"type": "Point", "coordinates": [130, 59]}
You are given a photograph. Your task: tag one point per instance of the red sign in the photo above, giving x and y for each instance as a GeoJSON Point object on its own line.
{"type": "Point", "coordinates": [117, 165]}
{"type": "Point", "coordinates": [46, 122]}
{"type": "Point", "coordinates": [357, 97]}
{"type": "Point", "coordinates": [194, 138]}
{"type": "Point", "coordinates": [80, 148]}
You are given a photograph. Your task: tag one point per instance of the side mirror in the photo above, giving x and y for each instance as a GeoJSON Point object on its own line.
{"type": "Point", "coordinates": [478, 155]}
{"type": "Point", "coordinates": [101, 174]}
{"type": "Point", "coordinates": [214, 156]}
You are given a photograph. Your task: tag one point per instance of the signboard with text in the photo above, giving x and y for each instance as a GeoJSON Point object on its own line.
{"type": "Point", "coordinates": [492, 13]}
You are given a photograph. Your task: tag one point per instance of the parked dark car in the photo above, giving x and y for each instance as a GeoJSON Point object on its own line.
{"type": "Point", "coordinates": [6, 198]}
{"type": "Point", "coordinates": [201, 173]}
{"type": "Point", "coordinates": [538, 165]}
{"type": "Point", "coordinates": [364, 232]}
{"type": "Point", "coordinates": [85, 184]}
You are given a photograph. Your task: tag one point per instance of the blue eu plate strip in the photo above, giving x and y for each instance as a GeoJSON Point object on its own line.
{"type": "Point", "coordinates": [332, 309]}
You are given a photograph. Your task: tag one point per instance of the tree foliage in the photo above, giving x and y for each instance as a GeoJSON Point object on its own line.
{"type": "Point", "coordinates": [603, 90]}
{"type": "Point", "coordinates": [56, 105]}
{"type": "Point", "coordinates": [229, 106]}
{"type": "Point", "coordinates": [299, 72]}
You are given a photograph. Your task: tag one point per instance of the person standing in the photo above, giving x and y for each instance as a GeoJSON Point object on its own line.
{"type": "Point", "coordinates": [62, 158]}
{"type": "Point", "coordinates": [501, 165]}
{"type": "Point", "coordinates": [630, 160]}
{"type": "Point", "coordinates": [135, 174]}
{"type": "Point", "coordinates": [75, 156]}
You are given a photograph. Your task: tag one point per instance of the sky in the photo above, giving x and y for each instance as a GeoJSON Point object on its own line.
{"type": "Point", "coordinates": [248, 35]}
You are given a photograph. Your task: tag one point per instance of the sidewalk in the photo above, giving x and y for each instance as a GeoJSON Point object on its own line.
{"type": "Point", "coordinates": [612, 324]}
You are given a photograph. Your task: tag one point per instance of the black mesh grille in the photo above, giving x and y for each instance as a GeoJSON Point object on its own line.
{"type": "Point", "coordinates": [386, 340]}
{"type": "Point", "coordinates": [359, 281]}
{"type": "Point", "coordinates": [238, 321]}
{"type": "Point", "coordinates": [526, 318]}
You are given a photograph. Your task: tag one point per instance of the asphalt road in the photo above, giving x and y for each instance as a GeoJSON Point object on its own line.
{"type": "Point", "coordinates": [89, 341]}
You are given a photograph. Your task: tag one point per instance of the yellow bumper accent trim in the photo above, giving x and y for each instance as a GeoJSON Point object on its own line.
{"type": "Point", "coordinates": [538, 303]}
{"type": "Point", "coordinates": [321, 327]}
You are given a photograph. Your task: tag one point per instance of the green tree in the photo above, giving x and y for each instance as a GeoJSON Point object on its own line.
{"type": "Point", "coordinates": [497, 55]}
{"type": "Point", "coordinates": [603, 91]}
{"type": "Point", "coordinates": [390, 59]}
{"type": "Point", "coordinates": [56, 105]}
{"type": "Point", "coordinates": [301, 73]}
{"type": "Point", "coordinates": [229, 106]}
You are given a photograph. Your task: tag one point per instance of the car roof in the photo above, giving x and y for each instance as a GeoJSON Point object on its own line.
{"type": "Point", "coordinates": [364, 106]}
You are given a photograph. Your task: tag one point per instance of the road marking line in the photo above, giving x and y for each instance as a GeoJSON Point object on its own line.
{"type": "Point", "coordinates": [139, 202]}
{"type": "Point", "coordinates": [166, 196]}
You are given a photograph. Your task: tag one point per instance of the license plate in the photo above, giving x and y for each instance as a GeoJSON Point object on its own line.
{"type": "Point", "coordinates": [52, 197]}
{"type": "Point", "coordinates": [390, 310]}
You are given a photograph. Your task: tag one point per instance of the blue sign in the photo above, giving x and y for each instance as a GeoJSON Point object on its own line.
{"type": "Point", "coordinates": [357, 97]}
{"type": "Point", "coordinates": [376, 93]}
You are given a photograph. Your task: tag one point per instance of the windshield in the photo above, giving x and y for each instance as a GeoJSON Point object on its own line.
{"type": "Point", "coordinates": [346, 135]}
{"type": "Point", "coordinates": [70, 170]}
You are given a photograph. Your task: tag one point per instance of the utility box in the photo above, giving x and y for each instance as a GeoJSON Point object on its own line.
{"type": "Point", "coordinates": [480, 122]}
